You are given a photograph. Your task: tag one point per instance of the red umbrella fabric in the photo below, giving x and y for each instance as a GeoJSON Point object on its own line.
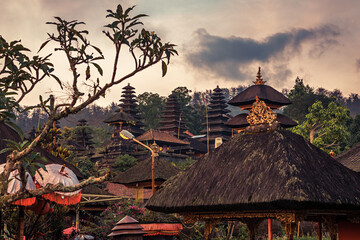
{"type": "Point", "coordinates": [69, 231]}
{"type": "Point", "coordinates": [59, 174]}
{"type": "Point", "coordinates": [15, 184]}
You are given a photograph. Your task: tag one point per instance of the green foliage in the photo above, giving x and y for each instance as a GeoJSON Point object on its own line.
{"type": "Point", "coordinates": [151, 106]}
{"type": "Point", "coordinates": [85, 165]}
{"type": "Point", "coordinates": [303, 97]}
{"type": "Point", "coordinates": [7, 105]}
{"type": "Point", "coordinates": [325, 127]}
{"type": "Point", "coordinates": [114, 213]}
{"type": "Point", "coordinates": [51, 224]}
{"type": "Point", "coordinates": [183, 165]}
{"type": "Point", "coordinates": [125, 162]}
{"type": "Point", "coordinates": [91, 136]}
{"type": "Point", "coordinates": [194, 115]}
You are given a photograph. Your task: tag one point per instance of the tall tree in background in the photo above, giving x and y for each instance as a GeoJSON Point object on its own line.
{"type": "Point", "coordinates": [303, 97]}
{"type": "Point", "coordinates": [19, 74]}
{"type": "Point", "coordinates": [193, 114]}
{"type": "Point", "coordinates": [150, 107]}
{"type": "Point", "coordinates": [325, 127]}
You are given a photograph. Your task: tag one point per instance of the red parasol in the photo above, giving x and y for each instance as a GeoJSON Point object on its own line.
{"type": "Point", "coordinates": [59, 174]}
{"type": "Point", "coordinates": [15, 184]}
{"type": "Point", "coordinates": [69, 231]}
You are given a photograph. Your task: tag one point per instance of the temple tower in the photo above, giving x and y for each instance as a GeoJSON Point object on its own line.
{"type": "Point", "coordinates": [215, 127]}
{"type": "Point", "coordinates": [172, 119]}
{"type": "Point", "coordinates": [128, 104]}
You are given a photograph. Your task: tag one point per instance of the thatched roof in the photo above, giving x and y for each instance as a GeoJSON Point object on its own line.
{"type": "Point", "coordinates": [263, 171]}
{"type": "Point", "coordinates": [239, 121]}
{"type": "Point", "coordinates": [7, 132]}
{"type": "Point", "coordinates": [351, 158]}
{"type": "Point", "coordinates": [142, 172]}
{"type": "Point", "coordinates": [120, 117]}
{"type": "Point", "coordinates": [265, 93]}
{"type": "Point", "coordinates": [93, 189]}
{"type": "Point", "coordinates": [161, 136]}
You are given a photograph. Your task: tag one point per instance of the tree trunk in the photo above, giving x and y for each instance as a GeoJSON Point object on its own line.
{"type": "Point", "coordinates": [21, 223]}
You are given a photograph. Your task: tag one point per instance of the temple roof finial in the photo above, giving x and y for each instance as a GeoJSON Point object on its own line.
{"type": "Point", "coordinates": [259, 80]}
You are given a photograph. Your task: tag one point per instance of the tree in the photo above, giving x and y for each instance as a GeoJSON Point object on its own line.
{"type": "Point", "coordinates": [325, 127]}
{"type": "Point", "coordinates": [151, 106]}
{"type": "Point", "coordinates": [194, 114]}
{"type": "Point", "coordinates": [303, 97]}
{"type": "Point", "coordinates": [124, 162]}
{"type": "Point", "coordinates": [19, 74]}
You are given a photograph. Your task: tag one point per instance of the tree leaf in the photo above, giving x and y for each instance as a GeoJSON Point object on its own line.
{"type": "Point", "coordinates": [87, 72]}
{"type": "Point", "coordinates": [43, 45]}
{"type": "Point", "coordinates": [164, 68]}
{"type": "Point", "coordinates": [98, 68]}
{"type": "Point", "coordinates": [57, 79]}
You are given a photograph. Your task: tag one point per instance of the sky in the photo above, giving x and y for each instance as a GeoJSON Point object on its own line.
{"type": "Point", "coordinates": [220, 42]}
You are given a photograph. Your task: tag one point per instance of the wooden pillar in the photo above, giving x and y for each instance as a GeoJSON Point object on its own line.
{"type": "Point", "coordinates": [319, 230]}
{"type": "Point", "coordinates": [77, 217]}
{"type": "Point", "coordinates": [330, 222]}
{"type": "Point", "coordinates": [270, 229]}
{"type": "Point", "coordinates": [209, 227]}
{"type": "Point", "coordinates": [289, 229]}
{"type": "Point", "coordinates": [252, 224]}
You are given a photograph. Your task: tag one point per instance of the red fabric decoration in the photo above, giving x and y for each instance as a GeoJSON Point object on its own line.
{"type": "Point", "coordinates": [25, 202]}
{"type": "Point", "coordinates": [165, 229]}
{"type": "Point", "coordinates": [61, 199]}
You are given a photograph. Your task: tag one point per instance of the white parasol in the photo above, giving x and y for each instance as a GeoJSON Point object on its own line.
{"type": "Point", "coordinates": [59, 174]}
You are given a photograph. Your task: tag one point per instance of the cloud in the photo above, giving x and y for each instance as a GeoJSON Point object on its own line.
{"type": "Point", "coordinates": [229, 58]}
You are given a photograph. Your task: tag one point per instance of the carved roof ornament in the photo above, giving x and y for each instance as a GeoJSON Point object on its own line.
{"type": "Point", "coordinates": [332, 154]}
{"type": "Point", "coordinates": [259, 80]}
{"type": "Point", "coordinates": [260, 113]}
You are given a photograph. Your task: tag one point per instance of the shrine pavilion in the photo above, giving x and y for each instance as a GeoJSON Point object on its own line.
{"type": "Point", "coordinates": [262, 173]}
{"type": "Point", "coordinates": [139, 176]}
{"type": "Point", "coordinates": [244, 100]}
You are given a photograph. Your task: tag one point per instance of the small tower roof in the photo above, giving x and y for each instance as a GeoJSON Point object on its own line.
{"type": "Point", "coordinates": [120, 117]}
{"type": "Point", "coordinates": [264, 92]}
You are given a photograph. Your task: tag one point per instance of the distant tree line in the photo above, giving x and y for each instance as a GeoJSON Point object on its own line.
{"type": "Point", "coordinates": [313, 109]}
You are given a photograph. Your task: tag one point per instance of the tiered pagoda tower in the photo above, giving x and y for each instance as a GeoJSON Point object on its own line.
{"type": "Point", "coordinates": [272, 98]}
{"type": "Point", "coordinates": [83, 136]}
{"type": "Point", "coordinates": [172, 119]}
{"type": "Point", "coordinates": [128, 104]}
{"type": "Point", "coordinates": [215, 127]}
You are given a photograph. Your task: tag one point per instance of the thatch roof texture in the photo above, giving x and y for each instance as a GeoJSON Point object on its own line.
{"type": "Point", "coordinates": [127, 226]}
{"type": "Point", "coordinates": [351, 158]}
{"type": "Point", "coordinates": [120, 116]}
{"type": "Point", "coordinates": [161, 137]}
{"type": "Point", "coordinates": [141, 172]}
{"type": "Point", "coordinates": [7, 132]}
{"type": "Point", "coordinates": [263, 171]}
{"type": "Point", "coordinates": [264, 92]}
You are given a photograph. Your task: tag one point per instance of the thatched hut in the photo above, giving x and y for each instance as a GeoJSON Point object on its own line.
{"type": "Point", "coordinates": [263, 173]}
{"type": "Point", "coordinates": [351, 158]}
{"type": "Point", "coordinates": [274, 174]}
{"type": "Point", "coordinates": [140, 175]}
